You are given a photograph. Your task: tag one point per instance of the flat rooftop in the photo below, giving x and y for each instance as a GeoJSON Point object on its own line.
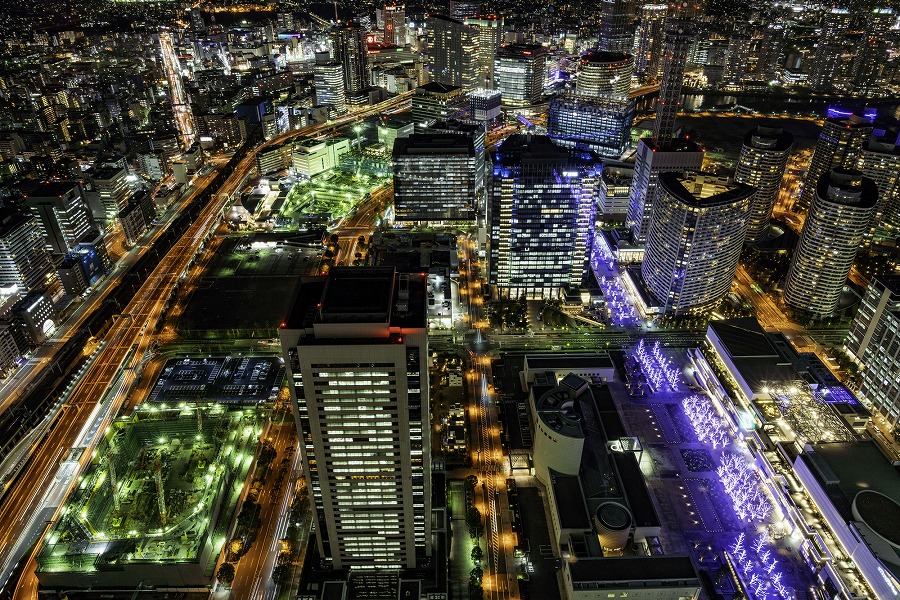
{"type": "Point", "coordinates": [643, 569]}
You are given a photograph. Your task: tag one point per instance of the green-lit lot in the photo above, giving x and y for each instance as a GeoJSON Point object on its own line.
{"type": "Point", "coordinates": [154, 503]}
{"type": "Point", "coordinates": [332, 192]}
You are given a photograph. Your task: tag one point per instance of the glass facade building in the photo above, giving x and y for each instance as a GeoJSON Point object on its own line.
{"type": "Point", "coordinates": [519, 74]}
{"type": "Point", "coordinates": [695, 240]}
{"type": "Point", "coordinates": [605, 74]}
{"type": "Point", "coordinates": [602, 125]}
{"type": "Point", "coordinates": [542, 209]}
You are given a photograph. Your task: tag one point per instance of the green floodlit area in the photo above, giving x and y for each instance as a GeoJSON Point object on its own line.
{"type": "Point", "coordinates": [334, 193]}
{"type": "Point", "coordinates": [177, 475]}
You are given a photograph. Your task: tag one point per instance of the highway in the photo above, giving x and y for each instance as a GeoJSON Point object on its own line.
{"type": "Point", "coordinates": [127, 335]}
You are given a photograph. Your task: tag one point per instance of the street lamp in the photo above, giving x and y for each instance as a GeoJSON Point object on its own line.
{"type": "Point", "coordinates": [357, 129]}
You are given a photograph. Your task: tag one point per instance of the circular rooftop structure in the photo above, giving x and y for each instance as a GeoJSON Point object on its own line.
{"type": "Point", "coordinates": [880, 513]}
{"type": "Point", "coordinates": [613, 523]}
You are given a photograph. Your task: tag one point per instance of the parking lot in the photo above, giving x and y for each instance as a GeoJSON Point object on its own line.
{"type": "Point", "coordinates": [230, 380]}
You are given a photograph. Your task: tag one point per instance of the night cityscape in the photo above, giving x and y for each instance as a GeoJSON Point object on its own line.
{"type": "Point", "coordinates": [449, 300]}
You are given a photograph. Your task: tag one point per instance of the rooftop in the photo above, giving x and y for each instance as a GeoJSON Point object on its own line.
{"type": "Point", "coordinates": [642, 570]}
{"type": "Point", "coordinates": [702, 189]}
{"type": "Point", "coordinates": [597, 56]}
{"type": "Point", "coordinates": [47, 189]}
{"type": "Point", "coordinates": [441, 144]}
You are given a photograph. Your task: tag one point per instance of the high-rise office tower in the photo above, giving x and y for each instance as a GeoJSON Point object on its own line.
{"type": "Point", "coordinates": [761, 165]}
{"type": "Point", "coordinates": [839, 146]}
{"type": "Point", "coordinates": [328, 79]}
{"type": "Point", "coordinates": [651, 160]}
{"type": "Point", "coordinates": [348, 47]}
{"type": "Point", "coordinates": [604, 74]}
{"type": "Point", "coordinates": [490, 34]}
{"type": "Point", "coordinates": [601, 125]}
{"type": "Point", "coordinates": [62, 212]}
{"type": "Point", "coordinates": [519, 73]}
{"type": "Point", "coordinates": [695, 240]}
{"type": "Point", "coordinates": [827, 59]}
{"type": "Point", "coordinates": [541, 217]}
{"type": "Point", "coordinates": [395, 24]}
{"type": "Point", "coordinates": [356, 348]}
{"type": "Point", "coordinates": [679, 33]}
{"type": "Point", "coordinates": [736, 58]}
{"type": "Point", "coordinates": [874, 341]}
{"type": "Point", "coordinates": [880, 162]}
{"type": "Point", "coordinates": [838, 221]}
{"type": "Point", "coordinates": [871, 55]}
{"type": "Point", "coordinates": [24, 260]}
{"type": "Point", "coordinates": [648, 51]}
{"type": "Point", "coordinates": [616, 25]}
{"type": "Point", "coordinates": [452, 52]}
{"type": "Point", "coordinates": [437, 178]}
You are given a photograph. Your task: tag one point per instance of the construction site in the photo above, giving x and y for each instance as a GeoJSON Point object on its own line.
{"type": "Point", "coordinates": [153, 507]}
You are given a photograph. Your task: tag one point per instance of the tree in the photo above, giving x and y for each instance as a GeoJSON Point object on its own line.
{"type": "Point", "coordinates": [477, 554]}
{"type": "Point", "coordinates": [471, 482]}
{"type": "Point", "coordinates": [225, 573]}
{"type": "Point", "coordinates": [266, 454]}
{"type": "Point", "coordinates": [475, 575]}
{"type": "Point", "coordinates": [282, 574]}
{"type": "Point", "coordinates": [334, 238]}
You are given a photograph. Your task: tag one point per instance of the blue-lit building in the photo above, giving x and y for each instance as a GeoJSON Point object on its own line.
{"type": "Point", "coordinates": [541, 215]}
{"type": "Point", "coordinates": [601, 125]}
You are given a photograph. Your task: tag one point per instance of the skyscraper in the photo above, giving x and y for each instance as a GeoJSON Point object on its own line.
{"type": "Point", "coordinates": [62, 213]}
{"type": "Point", "coordinates": [437, 178]}
{"type": "Point", "coordinates": [679, 33]}
{"type": "Point", "coordinates": [24, 260]}
{"type": "Point", "coordinates": [356, 348]}
{"type": "Point", "coordinates": [436, 101]}
{"type": "Point", "coordinates": [761, 165]}
{"type": "Point", "coordinates": [874, 341]}
{"type": "Point", "coordinates": [605, 74]}
{"type": "Point", "coordinates": [453, 52]}
{"type": "Point", "coordinates": [616, 25]}
{"type": "Point", "coordinates": [678, 156]}
{"type": "Point", "coordinates": [736, 58]}
{"type": "Point", "coordinates": [541, 216]}
{"type": "Point", "coordinates": [519, 73]}
{"type": "Point", "coordinates": [771, 53]}
{"type": "Point", "coordinates": [838, 221]}
{"type": "Point", "coordinates": [695, 240]}
{"type": "Point", "coordinates": [648, 52]}
{"type": "Point", "coordinates": [839, 146]}
{"type": "Point", "coordinates": [490, 34]}
{"type": "Point", "coordinates": [395, 24]}
{"type": "Point", "coordinates": [328, 79]}
{"type": "Point", "coordinates": [601, 125]}
{"type": "Point", "coordinates": [348, 47]}
{"type": "Point", "coordinates": [880, 162]}
{"type": "Point", "coordinates": [829, 54]}
{"type": "Point", "coordinates": [871, 55]}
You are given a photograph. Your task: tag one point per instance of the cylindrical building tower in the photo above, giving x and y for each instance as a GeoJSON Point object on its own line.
{"type": "Point", "coordinates": [840, 216]}
{"type": "Point", "coordinates": [761, 165]}
{"type": "Point", "coordinates": [605, 74]}
{"type": "Point", "coordinates": [695, 240]}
